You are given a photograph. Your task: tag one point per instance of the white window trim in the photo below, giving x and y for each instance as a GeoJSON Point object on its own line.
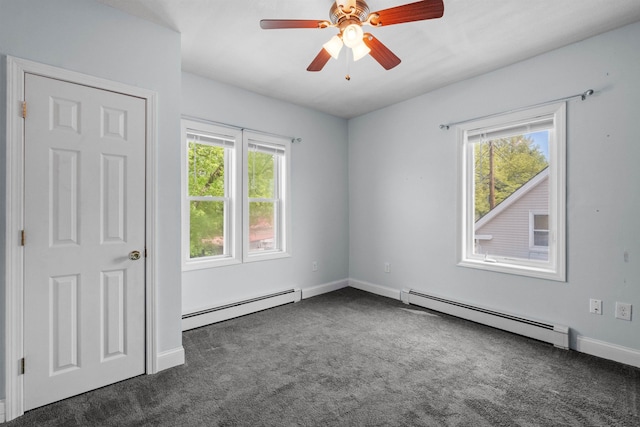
{"type": "Point", "coordinates": [283, 225]}
{"type": "Point", "coordinates": [233, 213]}
{"type": "Point", "coordinates": [555, 268]}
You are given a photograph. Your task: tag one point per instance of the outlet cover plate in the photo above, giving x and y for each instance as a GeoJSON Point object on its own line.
{"type": "Point", "coordinates": [595, 306]}
{"type": "Point", "coordinates": [623, 311]}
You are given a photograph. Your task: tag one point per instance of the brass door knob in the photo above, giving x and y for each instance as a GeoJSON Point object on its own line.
{"type": "Point", "coordinates": [134, 255]}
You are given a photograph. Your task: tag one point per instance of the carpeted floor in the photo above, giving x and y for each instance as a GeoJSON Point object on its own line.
{"type": "Point", "coordinates": [350, 358]}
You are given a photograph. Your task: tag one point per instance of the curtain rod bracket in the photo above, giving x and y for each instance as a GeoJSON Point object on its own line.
{"type": "Point", "coordinates": [586, 93]}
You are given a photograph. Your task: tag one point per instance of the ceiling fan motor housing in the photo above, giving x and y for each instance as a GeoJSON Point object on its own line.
{"type": "Point", "coordinates": [337, 15]}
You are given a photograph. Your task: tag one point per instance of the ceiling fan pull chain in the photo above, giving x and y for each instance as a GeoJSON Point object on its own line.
{"type": "Point", "coordinates": [346, 58]}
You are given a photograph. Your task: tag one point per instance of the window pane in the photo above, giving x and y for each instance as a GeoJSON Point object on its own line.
{"type": "Point", "coordinates": [541, 238]}
{"type": "Point", "coordinates": [510, 180]}
{"type": "Point", "coordinates": [504, 165]}
{"type": "Point", "coordinates": [206, 170]}
{"type": "Point", "coordinates": [207, 229]}
{"type": "Point", "coordinates": [262, 235]}
{"type": "Point", "coordinates": [541, 222]}
{"type": "Point", "coordinates": [261, 171]}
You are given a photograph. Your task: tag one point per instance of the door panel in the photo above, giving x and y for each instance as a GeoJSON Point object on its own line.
{"type": "Point", "coordinates": [84, 298]}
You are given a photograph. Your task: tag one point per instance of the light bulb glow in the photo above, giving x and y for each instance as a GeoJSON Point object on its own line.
{"type": "Point", "coordinates": [333, 46]}
{"type": "Point", "coordinates": [352, 35]}
{"type": "Point", "coordinates": [360, 51]}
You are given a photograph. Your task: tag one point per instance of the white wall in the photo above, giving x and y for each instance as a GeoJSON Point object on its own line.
{"type": "Point", "coordinates": [89, 37]}
{"type": "Point", "coordinates": [403, 181]}
{"type": "Point", "coordinates": [319, 196]}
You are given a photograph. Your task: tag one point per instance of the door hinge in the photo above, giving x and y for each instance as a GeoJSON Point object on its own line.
{"type": "Point", "coordinates": [22, 366]}
{"type": "Point", "coordinates": [23, 238]}
{"type": "Point", "coordinates": [24, 109]}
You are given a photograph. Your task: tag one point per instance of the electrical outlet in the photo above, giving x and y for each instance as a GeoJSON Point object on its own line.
{"type": "Point", "coordinates": [595, 306]}
{"type": "Point", "coordinates": [623, 311]}
{"type": "Point", "coordinates": [314, 266]}
{"type": "Point", "coordinates": [387, 267]}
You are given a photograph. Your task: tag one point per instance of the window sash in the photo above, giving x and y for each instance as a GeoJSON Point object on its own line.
{"type": "Point", "coordinates": [276, 200]}
{"type": "Point", "coordinates": [226, 228]}
{"type": "Point", "coordinates": [279, 149]}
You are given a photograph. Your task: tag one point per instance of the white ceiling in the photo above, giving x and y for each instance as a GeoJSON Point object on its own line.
{"type": "Point", "coordinates": [222, 40]}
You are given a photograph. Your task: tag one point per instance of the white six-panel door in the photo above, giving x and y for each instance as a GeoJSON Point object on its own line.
{"type": "Point", "coordinates": [84, 291]}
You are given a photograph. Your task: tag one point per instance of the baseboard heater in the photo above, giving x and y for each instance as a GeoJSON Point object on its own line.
{"type": "Point", "coordinates": [555, 334]}
{"type": "Point", "coordinates": [239, 308]}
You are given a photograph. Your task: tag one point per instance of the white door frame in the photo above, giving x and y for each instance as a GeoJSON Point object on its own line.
{"type": "Point", "coordinates": [14, 203]}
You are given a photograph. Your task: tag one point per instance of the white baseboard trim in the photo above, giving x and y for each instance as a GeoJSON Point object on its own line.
{"type": "Point", "coordinates": [375, 289]}
{"type": "Point", "coordinates": [605, 350]}
{"type": "Point", "coordinates": [170, 358]}
{"type": "Point", "coordinates": [2, 416]}
{"type": "Point", "coordinates": [324, 288]}
{"type": "Point", "coordinates": [239, 308]}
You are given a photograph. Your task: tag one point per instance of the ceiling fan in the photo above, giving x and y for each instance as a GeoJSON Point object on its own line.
{"type": "Point", "coordinates": [348, 16]}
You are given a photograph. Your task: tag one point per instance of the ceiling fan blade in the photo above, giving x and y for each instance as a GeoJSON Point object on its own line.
{"type": "Point", "coordinates": [319, 61]}
{"type": "Point", "coordinates": [276, 24]}
{"type": "Point", "coordinates": [380, 52]}
{"type": "Point", "coordinates": [418, 11]}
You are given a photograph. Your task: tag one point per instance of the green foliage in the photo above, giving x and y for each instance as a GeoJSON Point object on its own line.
{"type": "Point", "coordinates": [516, 160]}
{"type": "Point", "coordinates": [206, 178]}
{"type": "Point", "coordinates": [207, 228]}
{"type": "Point", "coordinates": [261, 173]}
{"type": "Point", "coordinates": [206, 170]}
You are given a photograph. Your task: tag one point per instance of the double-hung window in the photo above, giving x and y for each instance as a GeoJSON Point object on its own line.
{"type": "Point", "coordinates": [512, 193]}
{"type": "Point", "coordinates": [210, 211]}
{"type": "Point", "coordinates": [266, 200]}
{"type": "Point", "coordinates": [236, 195]}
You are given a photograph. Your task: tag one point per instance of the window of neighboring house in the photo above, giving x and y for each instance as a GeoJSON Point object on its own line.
{"type": "Point", "coordinates": [210, 181]}
{"type": "Point", "coordinates": [266, 200]}
{"type": "Point", "coordinates": [512, 188]}
{"type": "Point", "coordinates": [539, 231]}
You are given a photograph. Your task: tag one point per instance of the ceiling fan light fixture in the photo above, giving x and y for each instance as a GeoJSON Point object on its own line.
{"type": "Point", "coordinates": [360, 51]}
{"type": "Point", "coordinates": [352, 35]}
{"type": "Point", "coordinates": [333, 46]}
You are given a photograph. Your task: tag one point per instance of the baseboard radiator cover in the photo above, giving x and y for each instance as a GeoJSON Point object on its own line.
{"type": "Point", "coordinates": [557, 335]}
{"type": "Point", "coordinates": [239, 308]}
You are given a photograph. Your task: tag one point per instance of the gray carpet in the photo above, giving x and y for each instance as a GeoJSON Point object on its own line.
{"type": "Point", "coordinates": [350, 358]}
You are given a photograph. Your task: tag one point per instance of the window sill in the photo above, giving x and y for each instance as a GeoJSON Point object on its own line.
{"type": "Point", "coordinates": [265, 256]}
{"type": "Point", "coordinates": [209, 263]}
{"type": "Point", "coordinates": [516, 269]}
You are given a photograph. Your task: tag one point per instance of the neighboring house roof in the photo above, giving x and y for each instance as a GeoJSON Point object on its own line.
{"type": "Point", "coordinates": [514, 197]}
